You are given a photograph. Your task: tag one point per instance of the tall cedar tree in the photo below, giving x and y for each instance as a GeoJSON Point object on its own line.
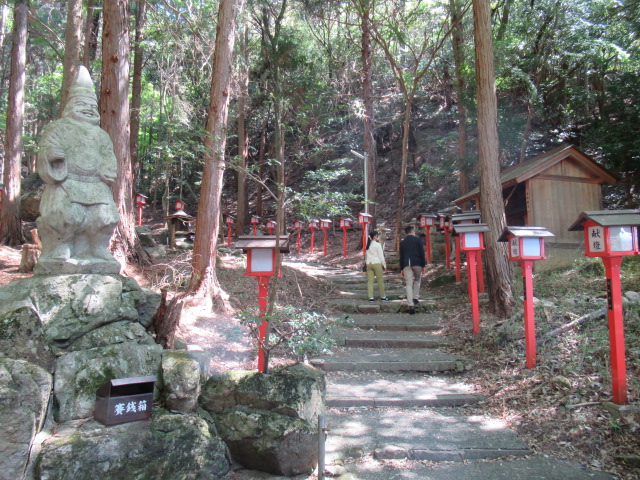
{"type": "Point", "coordinates": [491, 203]}
{"type": "Point", "coordinates": [114, 119]}
{"type": "Point", "coordinates": [72, 48]}
{"type": "Point", "coordinates": [10, 224]}
{"type": "Point", "coordinates": [203, 279]}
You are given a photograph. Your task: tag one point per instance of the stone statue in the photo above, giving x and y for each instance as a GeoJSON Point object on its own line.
{"type": "Point", "coordinates": [77, 163]}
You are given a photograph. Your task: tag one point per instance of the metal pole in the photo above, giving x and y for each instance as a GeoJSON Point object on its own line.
{"type": "Point", "coordinates": [322, 437]}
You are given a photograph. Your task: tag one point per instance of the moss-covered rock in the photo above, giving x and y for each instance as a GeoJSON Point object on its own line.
{"type": "Point", "coordinates": [22, 337]}
{"type": "Point", "coordinates": [167, 447]}
{"type": "Point", "coordinates": [181, 380]}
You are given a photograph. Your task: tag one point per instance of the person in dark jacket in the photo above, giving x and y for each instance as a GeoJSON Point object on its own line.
{"type": "Point", "coordinates": [412, 265]}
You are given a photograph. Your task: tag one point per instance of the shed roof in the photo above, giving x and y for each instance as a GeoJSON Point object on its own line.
{"type": "Point", "coordinates": [534, 166]}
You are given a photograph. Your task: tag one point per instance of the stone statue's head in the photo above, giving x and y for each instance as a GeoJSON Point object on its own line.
{"type": "Point", "coordinates": [82, 104]}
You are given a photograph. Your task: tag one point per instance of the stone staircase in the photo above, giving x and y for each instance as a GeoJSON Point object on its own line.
{"type": "Point", "coordinates": [394, 395]}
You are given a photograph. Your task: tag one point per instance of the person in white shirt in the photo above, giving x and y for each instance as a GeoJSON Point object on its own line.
{"type": "Point", "coordinates": [375, 266]}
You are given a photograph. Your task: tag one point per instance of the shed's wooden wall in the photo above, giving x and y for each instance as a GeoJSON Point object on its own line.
{"type": "Point", "coordinates": [556, 198]}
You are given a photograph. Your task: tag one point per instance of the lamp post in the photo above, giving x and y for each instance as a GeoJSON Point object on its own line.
{"type": "Point", "coordinates": [526, 245]}
{"type": "Point", "coordinates": [445, 226]}
{"type": "Point", "coordinates": [313, 224]}
{"type": "Point", "coordinates": [297, 224]}
{"type": "Point", "coordinates": [255, 221]}
{"type": "Point", "coordinates": [261, 263]}
{"type": "Point", "coordinates": [271, 226]}
{"type": "Point", "coordinates": [364, 219]}
{"type": "Point", "coordinates": [611, 235]}
{"type": "Point", "coordinates": [325, 224]}
{"type": "Point", "coordinates": [427, 220]}
{"type": "Point", "coordinates": [229, 220]}
{"type": "Point", "coordinates": [141, 200]}
{"type": "Point", "coordinates": [344, 224]}
{"type": "Point", "coordinates": [472, 242]}
{"type": "Point", "coordinates": [468, 218]}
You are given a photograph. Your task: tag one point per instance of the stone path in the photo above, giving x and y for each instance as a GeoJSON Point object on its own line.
{"type": "Point", "coordinates": [392, 394]}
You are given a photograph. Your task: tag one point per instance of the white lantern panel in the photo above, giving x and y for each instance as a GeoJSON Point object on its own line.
{"type": "Point", "coordinates": [531, 247]}
{"type": "Point", "coordinates": [472, 240]}
{"type": "Point", "coordinates": [596, 239]}
{"type": "Point", "coordinates": [514, 247]}
{"type": "Point", "coordinates": [467, 222]}
{"type": "Point", "coordinates": [621, 239]}
{"type": "Point", "coordinates": [262, 260]}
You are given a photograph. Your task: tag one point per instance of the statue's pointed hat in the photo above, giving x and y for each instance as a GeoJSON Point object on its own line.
{"type": "Point", "coordinates": [83, 86]}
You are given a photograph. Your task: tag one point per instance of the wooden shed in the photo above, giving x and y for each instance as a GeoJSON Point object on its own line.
{"type": "Point", "coordinates": [550, 190]}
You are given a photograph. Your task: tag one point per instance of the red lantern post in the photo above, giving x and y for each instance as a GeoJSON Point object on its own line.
{"type": "Point", "coordinates": [313, 224]}
{"type": "Point", "coordinates": [325, 224]}
{"type": "Point", "coordinates": [141, 200]}
{"type": "Point", "coordinates": [364, 219]}
{"type": "Point", "coordinates": [229, 220]}
{"type": "Point", "coordinates": [526, 245]}
{"type": "Point", "coordinates": [298, 226]}
{"type": "Point", "coordinates": [255, 221]}
{"type": "Point", "coordinates": [180, 206]}
{"type": "Point", "coordinates": [467, 218]}
{"type": "Point", "coordinates": [271, 226]}
{"type": "Point", "coordinates": [612, 235]}
{"type": "Point", "coordinates": [261, 263]}
{"type": "Point", "coordinates": [427, 220]}
{"type": "Point", "coordinates": [445, 226]}
{"type": "Point", "coordinates": [472, 242]}
{"type": "Point", "coordinates": [344, 224]}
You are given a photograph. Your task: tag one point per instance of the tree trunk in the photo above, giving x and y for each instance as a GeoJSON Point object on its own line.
{"type": "Point", "coordinates": [72, 48]}
{"type": "Point", "coordinates": [403, 169]}
{"type": "Point", "coordinates": [204, 280]}
{"type": "Point", "coordinates": [498, 269]}
{"type": "Point", "coordinates": [136, 89]}
{"type": "Point", "coordinates": [242, 212]}
{"type": "Point", "coordinates": [114, 119]}
{"type": "Point", "coordinates": [261, 169]}
{"type": "Point", "coordinates": [458, 58]}
{"type": "Point", "coordinates": [92, 27]}
{"type": "Point", "coordinates": [369, 143]}
{"type": "Point", "coordinates": [10, 224]}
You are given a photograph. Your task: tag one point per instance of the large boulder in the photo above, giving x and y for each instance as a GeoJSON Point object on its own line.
{"type": "Point", "coordinates": [269, 421]}
{"type": "Point", "coordinates": [269, 441]}
{"type": "Point", "coordinates": [180, 380]}
{"type": "Point", "coordinates": [24, 395]}
{"type": "Point", "coordinates": [22, 337]}
{"type": "Point", "coordinates": [71, 306]}
{"type": "Point", "coordinates": [79, 374]}
{"type": "Point", "coordinates": [167, 447]}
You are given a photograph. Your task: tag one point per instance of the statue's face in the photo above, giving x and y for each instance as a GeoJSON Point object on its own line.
{"type": "Point", "coordinates": [83, 110]}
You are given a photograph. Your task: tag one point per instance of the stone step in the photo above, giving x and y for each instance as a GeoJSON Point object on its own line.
{"type": "Point", "coordinates": [381, 339]}
{"type": "Point", "coordinates": [425, 434]}
{"type": "Point", "coordinates": [398, 322]}
{"type": "Point", "coordinates": [351, 304]}
{"type": "Point", "coordinates": [389, 360]}
{"type": "Point", "coordinates": [407, 390]}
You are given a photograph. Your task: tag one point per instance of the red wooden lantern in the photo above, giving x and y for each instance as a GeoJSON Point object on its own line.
{"type": "Point", "coordinates": [466, 218]}
{"type": "Point", "coordinates": [444, 225]}
{"type": "Point", "coordinates": [141, 200]}
{"type": "Point", "coordinates": [612, 235]}
{"type": "Point", "coordinates": [229, 220]}
{"type": "Point", "coordinates": [427, 220]}
{"type": "Point", "coordinates": [364, 219]}
{"type": "Point", "coordinates": [325, 224]}
{"type": "Point", "coordinates": [255, 221]}
{"type": "Point", "coordinates": [526, 245]}
{"type": "Point", "coordinates": [472, 242]}
{"type": "Point", "coordinates": [313, 224]}
{"type": "Point", "coordinates": [271, 226]}
{"type": "Point", "coordinates": [261, 263]}
{"type": "Point", "coordinates": [180, 205]}
{"type": "Point", "coordinates": [344, 224]}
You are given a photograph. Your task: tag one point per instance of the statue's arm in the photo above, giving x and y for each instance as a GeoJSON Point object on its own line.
{"type": "Point", "coordinates": [51, 162]}
{"type": "Point", "coordinates": [109, 162]}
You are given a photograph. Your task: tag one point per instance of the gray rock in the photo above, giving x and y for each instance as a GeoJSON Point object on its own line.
{"type": "Point", "coordinates": [24, 395]}
{"type": "Point", "coordinates": [297, 391]}
{"type": "Point", "coordinates": [79, 374]}
{"type": "Point", "coordinates": [181, 380]}
{"type": "Point", "coordinates": [22, 337]}
{"type": "Point", "coordinates": [113, 334]}
{"type": "Point", "coordinates": [146, 236]}
{"type": "Point", "coordinates": [167, 447]}
{"type": "Point", "coordinates": [632, 296]}
{"type": "Point", "coordinates": [157, 252]}
{"type": "Point", "coordinates": [203, 357]}
{"type": "Point", "coordinates": [70, 306]}
{"type": "Point", "coordinates": [269, 441]}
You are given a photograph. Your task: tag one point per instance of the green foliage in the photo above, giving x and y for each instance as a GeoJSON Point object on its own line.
{"type": "Point", "coordinates": [295, 332]}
